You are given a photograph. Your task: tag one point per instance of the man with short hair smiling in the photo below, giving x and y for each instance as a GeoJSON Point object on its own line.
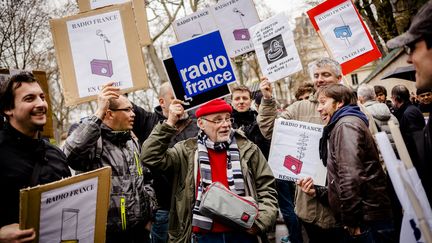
{"type": "Point", "coordinates": [356, 182]}
{"type": "Point", "coordinates": [317, 218]}
{"type": "Point", "coordinates": [217, 154]}
{"type": "Point", "coordinates": [25, 158]}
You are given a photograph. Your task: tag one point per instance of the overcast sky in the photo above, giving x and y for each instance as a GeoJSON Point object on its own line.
{"type": "Point", "coordinates": [293, 7]}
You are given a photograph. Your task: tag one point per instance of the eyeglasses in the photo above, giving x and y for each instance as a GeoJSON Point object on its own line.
{"type": "Point", "coordinates": [220, 121]}
{"type": "Point", "coordinates": [409, 48]}
{"type": "Point", "coordinates": [129, 109]}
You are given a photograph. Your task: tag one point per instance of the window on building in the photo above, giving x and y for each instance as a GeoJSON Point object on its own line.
{"type": "Point", "coordinates": [354, 79]}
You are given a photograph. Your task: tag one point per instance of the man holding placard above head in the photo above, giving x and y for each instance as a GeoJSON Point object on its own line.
{"type": "Point", "coordinates": [215, 171]}
{"type": "Point", "coordinates": [105, 139]}
{"type": "Point", "coordinates": [317, 218]}
{"type": "Point", "coordinates": [25, 158]}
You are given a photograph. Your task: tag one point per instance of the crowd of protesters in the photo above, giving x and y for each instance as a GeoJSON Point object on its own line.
{"type": "Point", "coordinates": [164, 162]}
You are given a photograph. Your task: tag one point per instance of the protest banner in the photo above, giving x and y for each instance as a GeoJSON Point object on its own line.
{"type": "Point", "coordinates": [294, 151]}
{"type": "Point", "coordinates": [417, 217]}
{"type": "Point", "coordinates": [96, 47]}
{"type": "Point", "coordinates": [195, 24]}
{"type": "Point", "coordinates": [275, 48]}
{"type": "Point", "coordinates": [70, 210]}
{"type": "Point", "coordinates": [179, 92]}
{"type": "Point", "coordinates": [139, 11]}
{"type": "Point", "coordinates": [48, 130]}
{"type": "Point", "coordinates": [202, 64]}
{"type": "Point", "coordinates": [344, 34]}
{"type": "Point", "coordinates": [233, 19]}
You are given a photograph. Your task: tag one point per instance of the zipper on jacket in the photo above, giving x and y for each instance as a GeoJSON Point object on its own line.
{"type": "Point", "coordinates": [139, 168]}
{"type": "Point", "coordinates": [123, 212]}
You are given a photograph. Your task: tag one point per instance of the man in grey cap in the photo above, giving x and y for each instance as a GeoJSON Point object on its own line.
{"type": "Point", "coordinates": [418, 45]}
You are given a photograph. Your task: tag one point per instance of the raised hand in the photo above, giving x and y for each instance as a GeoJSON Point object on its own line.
{"type": "Point", "coordinates": [266, 88]}
{"type": "Point", "coordinates": [176, 111]}
{"type": "Point", "coordinates": [108, 92]}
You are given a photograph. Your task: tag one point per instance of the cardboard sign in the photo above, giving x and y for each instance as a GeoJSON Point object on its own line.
{"type": "Point", "coordinates": [195, 24]}
{"type": "Point", "coordinates": [344, 34]}
{"type": "Point", "coordinates": [275, 48]}
{"type": "Point", "coordinates": [96, 47]}
{"type": "Point", "coordinates": [202, 64]}
{"type": "Point", "coordinates": [139, 10]}
{"type": "Point", "coordinates": [294, 151]}
{"type": "Point", "coordinates": [70, 210]}
{"type": "Point", "coordinates": [233, 18]}
{"type": "Point", "coordinates": [48, 130]}
{"type": "Point", "coordinates": [179, 93]}
{"type": "Point", "coordinates": [410, 192]}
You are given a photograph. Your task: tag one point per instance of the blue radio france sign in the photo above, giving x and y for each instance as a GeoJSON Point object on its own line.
{"type": "Point", "coordinates": [202, 63]}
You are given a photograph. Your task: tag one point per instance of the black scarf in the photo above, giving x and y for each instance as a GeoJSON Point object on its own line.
{"type": "Point", "coordinates": [349, 110]}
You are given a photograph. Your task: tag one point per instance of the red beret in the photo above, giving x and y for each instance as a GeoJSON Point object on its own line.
{"type": "Point", "coordinates": [214, 106]}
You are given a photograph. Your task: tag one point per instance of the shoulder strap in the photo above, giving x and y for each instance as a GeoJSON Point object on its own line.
{"type": "Point", "coordinates": [98, 153]}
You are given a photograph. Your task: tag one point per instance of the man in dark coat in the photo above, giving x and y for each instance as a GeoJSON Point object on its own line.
{"type": "Point", "coordinates": [162, 180]}
{"type": "Point", "coordinates": [418, 45]}
{"type": "Point", "coordinates": [25, 158]}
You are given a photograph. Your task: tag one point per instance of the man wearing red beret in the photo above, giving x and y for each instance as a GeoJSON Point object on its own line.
{"type": "Point", "coordinates": [217, 154]}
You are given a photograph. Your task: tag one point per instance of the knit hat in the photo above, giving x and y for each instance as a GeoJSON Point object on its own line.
{"type": "Point", "coordinates": [214, 106]}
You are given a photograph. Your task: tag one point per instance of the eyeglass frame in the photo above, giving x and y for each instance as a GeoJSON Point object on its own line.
{"type": "Point", "coordinates": [410, 47]}
{"type": "Point", "coordinates": [220, 121]}
{"type": "Point", "coordinates": [129, 109]}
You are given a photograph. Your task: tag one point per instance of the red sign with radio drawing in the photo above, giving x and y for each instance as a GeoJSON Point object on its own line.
{"type": "Point", "coordinates": [294, 152]}
{"type": "Point", "coordinates": [344, 34]}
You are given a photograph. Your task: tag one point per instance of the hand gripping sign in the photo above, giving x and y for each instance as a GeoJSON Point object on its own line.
{"type": "Point", "coordinates": [202, 64]}
{"type": "Point", "coordinates": [344, 34]}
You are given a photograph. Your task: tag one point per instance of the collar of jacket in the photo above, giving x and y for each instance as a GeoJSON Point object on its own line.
{"type": "Point", "coordinates": [115, 137]}
{"type": "Point", "coordinates": [35, 145]}
{"type": "Point", "coordinates": [18, 136]}
{"type": "Point", "coordinates": [349, 110]}
{"type": "Point", "coordinates": [244, 118]}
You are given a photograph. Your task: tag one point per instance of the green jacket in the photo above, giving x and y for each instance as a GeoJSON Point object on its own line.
{"type": "Point", "coordinates": [180, 159]}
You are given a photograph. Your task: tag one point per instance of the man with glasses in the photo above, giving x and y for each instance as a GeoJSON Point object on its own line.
{"type": "Point", "coordinates": [418, 45]}
{"type": "Point", "coordinates": [105, 139]}
{"type": "Point", "coordinates": [217, 154]}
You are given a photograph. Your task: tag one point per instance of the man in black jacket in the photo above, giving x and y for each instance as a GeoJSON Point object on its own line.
{"type": "Point", "coordinates": [410, 118]}
{"type": "Point", "coordinates": [245, 118]}
{"type": "Point", "coordinates": [25, 158]}
{"type": "Point", "coordinates": [418, 45]}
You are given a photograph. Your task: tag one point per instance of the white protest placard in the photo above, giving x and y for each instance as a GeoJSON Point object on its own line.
{"type": "Point", "coordinates": [96, 47]}
{"type": "Point", "coordinates": [98, 50]}
{"type": "Point", "coordinates": [294, 152]}
{"type": "Point", "coordinates": [408, 187]}
{"type": "Point", "coordinates": [74, 209]}
{"type": "Point", "coordinates": [195, 24]}
{"type": "Point", "coordinates": [275, 48]}
{"type": "Point", "coordinates": [102, 3]}
{"type": "Point", "coordinates": [344, 34]}
{"type": "Point", "coordinates": [64, 216]}
{"type": "Point", "coordinates": [233, 18]}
